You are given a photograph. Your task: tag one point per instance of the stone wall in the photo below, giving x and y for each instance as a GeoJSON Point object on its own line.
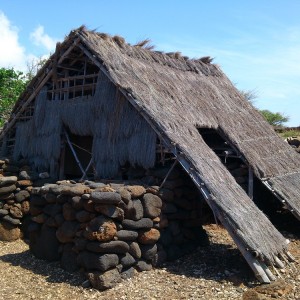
{"type": "Point", "coordinates": [111, 231]}
{"type": "Point", "coordinates": [114, 230]}
{"type": "Point", "coordinates": [16, 180]}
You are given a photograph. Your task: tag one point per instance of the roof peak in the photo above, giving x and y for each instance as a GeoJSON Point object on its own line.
{"type": "Point", "coordinates": [145, 44]}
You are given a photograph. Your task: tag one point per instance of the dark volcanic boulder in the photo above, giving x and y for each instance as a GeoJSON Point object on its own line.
{"type": "Point", "coordinates": [137, 210]}
{"type": "Point", "coordinates": [22, 195]}
{"type": "Point", "coordinates": [125, 194]}
{"type": "Point", "coordinates": [127, 235]}
{"type": "Point", "coordinates": [11, 220]}
{"type": "Point", "coordinates": [16, 211]}
{"type": "Point", "coordinates": [111, 211]}
{"type": "Point", "coordinates": [3, 212]}
{"type": "Point", "coordinates": [134, 250]}
{"type": "Point", "coordinates": [129, 273]}
{"type": "Point", "coordinates": [66, 232]}
{"type": "Point", "coordinates": [69, 212]}
{"type": "Point", "coordinates": [149, 236]}
{"type": "Point", "coordinates": [93, 261]}
{"type": "Point", "coordinates": [83, 216]}
{"type": "Point", "coordinates": [105, 197]}
{"type": "Point", "coordinates": [101, 229]}
{"type": "Point", "coordinates": [9, 232]}
{"type": "Point", "coordinates": [8, 180]}
{"type": "Point", "coordinates": [28, 175]}
{"type": "Point", "coordinates": [103, 281]}
{"type": "Point", "coordinates": [77, 202]}
{"type": "Point", "coordinates": [7, 189]}
{"type": "Point", "coordinates": [44, 244]}
{"type": "Point", "coordinates": [143, 266]}
{"type": "Point", "coordinates": [136, 191]}
{"type": "Point", "coordinates": [152, 205]}
{"type": "Point", "coordinates": [148, 251]}
{"type": "Point", "coordinates": [68, 259]}
{"type": "Point", "coordinates": [117, 247]}
{"type": "Point", "coordinates": [127, 260]}
{"type": "Point", "coordinates": [140, 224]}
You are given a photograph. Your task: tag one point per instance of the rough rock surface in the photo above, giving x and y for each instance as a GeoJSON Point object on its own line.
{"type": "Point", "coordinates": [9, 232]}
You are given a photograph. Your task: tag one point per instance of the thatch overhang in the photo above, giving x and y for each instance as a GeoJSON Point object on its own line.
{"type": "Point", "coordinates": [176, 96]}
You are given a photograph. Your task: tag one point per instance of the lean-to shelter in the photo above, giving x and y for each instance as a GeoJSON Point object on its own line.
{"type": "Point", "coordinates": [123, 98]}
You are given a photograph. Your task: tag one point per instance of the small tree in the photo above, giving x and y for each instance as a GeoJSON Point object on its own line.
{"type": "Point", "coordinates": [249, 95]}
{"type": "Point", "coordinates": [33, 67]}
{"type": "Point", "coordinates": [12, 84]}
{"type": "Point", "coordinates": [275, 119]}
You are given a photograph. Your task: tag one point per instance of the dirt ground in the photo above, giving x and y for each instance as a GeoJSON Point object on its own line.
{"type": "Point", "coordinates": [217, 271]}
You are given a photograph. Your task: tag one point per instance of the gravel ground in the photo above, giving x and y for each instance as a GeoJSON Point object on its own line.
{"type": "Point", "coordinates": [214, 272]}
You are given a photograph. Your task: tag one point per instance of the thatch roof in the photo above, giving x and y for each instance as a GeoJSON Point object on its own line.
{"type": "Point", "coordinates": [176, 95]}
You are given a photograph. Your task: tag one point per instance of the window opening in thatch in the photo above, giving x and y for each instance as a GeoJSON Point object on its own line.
{"type": "Point", "coordinates": [229, 157]}
{"type": "Point", "coordinates": [240, 170]}
{"type": "Point", "coordinates": [82, 146]}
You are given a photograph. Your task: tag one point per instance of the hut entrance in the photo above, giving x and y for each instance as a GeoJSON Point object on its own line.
{"type": "Point", "coordinates": [76, 156]}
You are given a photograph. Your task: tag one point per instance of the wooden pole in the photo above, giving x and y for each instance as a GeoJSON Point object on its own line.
{"type": "Point", "coordinates": [74, 153]}
{"type": "Point", "coordinates": [87, 168]}
{"type": "Point", "coordinates": [36, 91]}
{"type": "Point", "coordinates": [169, 172]}
{"type": "Point", "coordinates": [62, 159]}
{"type": "Point", "coordinates": [250, 182]}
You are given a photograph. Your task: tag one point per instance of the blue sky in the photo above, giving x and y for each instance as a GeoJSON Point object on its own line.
{"type": "Point", "coordinates": [256, 43]}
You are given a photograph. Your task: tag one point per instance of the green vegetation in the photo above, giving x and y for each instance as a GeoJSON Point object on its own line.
{"type": "Point", "coordinates": [290, 133]}
{"type": "Point", "coordinates": [275, 119]}
{"type": "Point", "coordinates": [12, 84]}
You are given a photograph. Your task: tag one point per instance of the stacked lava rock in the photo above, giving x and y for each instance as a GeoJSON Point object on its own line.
{"type": "Point", "coordinates": [106, 230]}
{"type": "Point", "coordinates": [183, 212]}
{"type": "Point", "coordinates": [112, 231]}
{"type": "Point", "coordinates": [14, 199]}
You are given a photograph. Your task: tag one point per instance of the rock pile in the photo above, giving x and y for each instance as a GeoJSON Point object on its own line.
{"type": "Point", "coordinates": [15, 187]}
{"type": "Point", "coordinates": [294, 142]}
{"type": "Point", "coordinates": [113, 230]}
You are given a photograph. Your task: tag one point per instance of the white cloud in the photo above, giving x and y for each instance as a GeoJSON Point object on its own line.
{"type": "Point", "coordinates": [15, 55]}
{"type": "Point", "coordinates": [40, 38]}
{"type": "Point", "coordinates": [12, 54]}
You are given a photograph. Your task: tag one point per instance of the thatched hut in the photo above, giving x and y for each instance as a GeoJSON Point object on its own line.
{"type": "Point", "coordinates": [119, 101]}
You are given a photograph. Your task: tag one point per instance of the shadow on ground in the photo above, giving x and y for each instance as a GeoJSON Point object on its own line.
{"type": "Point", "coordinates": [217, 262]}
{"type": "Point", "coordinates": [51, 270]}
{"type": "Point", "coordinates": [214, 262]}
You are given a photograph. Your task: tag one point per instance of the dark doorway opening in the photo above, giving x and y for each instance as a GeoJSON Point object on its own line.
{"type": "Point", "coordinates": [82, 146]}
{"type": "Point", "coordinates": [228, 155]}
{"type": "Point", "coordinates": [239, 169]}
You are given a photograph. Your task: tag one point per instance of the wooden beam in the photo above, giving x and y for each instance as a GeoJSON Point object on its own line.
{"type": "Point", "coordinates": [78, 77]}
{"type": "Point", "coordinates": [284, 203]}
{"type": "Point", "coordinates": [250, 182]}
{"type": "Point", "coordinates": [74, 153]}
{"type": "Point", "coordinates": [86, 169]}
{"type": "Point", "coordinates": [75, 88]}
{"type": "Point", "coordinates": [12, 122]}
{"type": "Point", "coordinates": [62, 159]}
{"type": "Point", "coordinates": [169, 172]}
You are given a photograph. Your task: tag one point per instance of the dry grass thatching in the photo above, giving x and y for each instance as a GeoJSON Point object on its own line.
{"type": "Point", "coordinates": [178, 95]}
